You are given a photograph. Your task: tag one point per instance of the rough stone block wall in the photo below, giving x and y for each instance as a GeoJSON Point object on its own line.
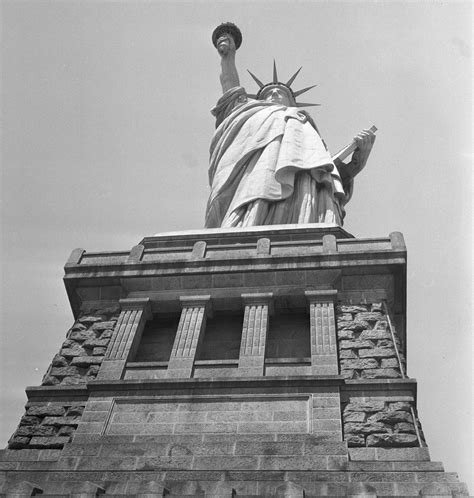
{"type": "Point", "coordinates": [365, 343]}
{"type": "Point", "coordinates": [81, 354]}
{"type": "Point", "coordinates": [46, 425]}
{"type": "Point", "coordinates": [51, 425]}
{"type": "Point", "coordinates": [381, 422]}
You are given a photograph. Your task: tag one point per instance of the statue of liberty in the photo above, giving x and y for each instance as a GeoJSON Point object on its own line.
{"type": "Point", "coordinates": [268, 163]}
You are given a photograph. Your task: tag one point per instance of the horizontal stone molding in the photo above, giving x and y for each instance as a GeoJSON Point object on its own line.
{"type": "Point", "coordinates": [321, 296]}
{"type": "Point", "coordinates": [179, 386]}
{"type": "Point", "coordinates": [196, 301]}
{"type": "Point", "coordinates": [136, 303]}
{"type": "Point", "coordinates": [256, 298]}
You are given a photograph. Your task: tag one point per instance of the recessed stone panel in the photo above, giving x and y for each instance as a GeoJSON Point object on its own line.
{"type": "Point", "coordinates": [239, 415]}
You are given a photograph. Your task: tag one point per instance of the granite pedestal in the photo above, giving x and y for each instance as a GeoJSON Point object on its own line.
{"type": "Point", "coordinates": [267, 361]}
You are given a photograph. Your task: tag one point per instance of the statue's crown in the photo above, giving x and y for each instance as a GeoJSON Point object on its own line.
{"type": "Point", "coordinates": [286, 86]}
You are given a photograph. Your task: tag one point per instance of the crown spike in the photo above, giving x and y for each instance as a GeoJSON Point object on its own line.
{"type": "Point", "coordinates": [275, 75]}
{"type": "Point", "coordinates": [305, 104]}
{"type": "Point", "coordinates": [290, 81]}
{"type": "Point", "coordinates": [299, 92]}
{"type": "Point", "coordinates": [259, 83]}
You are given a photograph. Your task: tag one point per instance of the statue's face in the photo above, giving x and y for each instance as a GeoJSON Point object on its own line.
{"type": "Point", "coordinates": [276, 94]}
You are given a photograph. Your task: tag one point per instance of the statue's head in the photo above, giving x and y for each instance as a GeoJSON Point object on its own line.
{"type": "Point", "coordinates": [279, 92]}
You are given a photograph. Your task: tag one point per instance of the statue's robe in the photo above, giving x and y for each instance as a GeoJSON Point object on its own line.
{"type": "Point", "coordinates": [269, 165]}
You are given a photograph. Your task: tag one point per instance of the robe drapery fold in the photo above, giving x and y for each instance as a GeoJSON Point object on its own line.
{"type": "Point", "coordinates": [268, 165]}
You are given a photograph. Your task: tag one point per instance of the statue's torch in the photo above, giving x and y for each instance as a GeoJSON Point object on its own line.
{"type": "Point", "coordinates": [222, 32]}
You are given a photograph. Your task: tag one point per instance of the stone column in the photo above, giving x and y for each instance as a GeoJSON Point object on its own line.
{"type": "Point", "coordinates": [127, 335]}
{"type": "Point", "coordinates": [254, 333]}
{"type": "Point", "coordinates": [323, 332]}
{"type": "Point", "coordinates": [190, 332]}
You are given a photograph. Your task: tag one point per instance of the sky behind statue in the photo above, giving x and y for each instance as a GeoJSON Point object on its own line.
{"type": "Point", "coordinates": [106, 135]}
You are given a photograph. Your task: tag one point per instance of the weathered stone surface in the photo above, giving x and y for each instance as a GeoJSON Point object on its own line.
{"type": "Point", "coordinates": [48, 442]}
{"type": "Point", "coordinates": [107, 334]}
{"type": "Point", "coordinates": [81, 336]}
{"type": "Point", "coordinates": [351, 309]}
{"type": "Point", "coordinates": [347, 354]}
{"type": "Point", "coordinates": [405, 427]}
{"type": "Point", "coordinates": [288, 490]}
{"type": "Point", "coordinates": [86, 361]}
{"type": "Point", "coordinates": [75, 410]}
{"type": "Point", "coordinates": [354, 416]}
{"type": "Point", "coordinates": [392, 417]}
{"type": "Point", "coordinates": [59, 421]}
{"type": "Point", "coordinates": [385, 343]}
{"type": "Point", "coordinates": [370, 316]}
{"type": "Point", "coordinates": [377, 353]}
{"type": "Point", "coordinates": [93, 370]}
{"type": "Point", "coordinates": [400, 405]}
{"type": "Point", "coordinates": [61, 372]}
{"type": "Point", "coordinates": [104, 325]}
{"type": "Point", "coordinates": [365, 406]}
{"type": "Point", "coordinates": [381, 373]}
{"type": "Point", "coordinates": [355, 344]}
{"type": "Point", "coordinates": [436, 489]}
{"type": "Point", "coordinates": [94, 343]}
{"type": "Point", "coordinates": [361, 489]}
{"type": "Point", "coordinates": [49, 380]}
{"type": "Point", "coordinates": [348, 374]}
{"type": "Point", "coordinates": [365, 428]}
{"type": "Point", "coordinates": [29, 420]}
{"type": "Point", "coordinates": [90, 319]}
{"type": "Point", "coordinates": [376, 307]}
{"type": "Point", "coordinates": [355, 440]}
{"type": "Point", "coordinates": [356, 325]}
{"type": "Point", "coordinates": [73, 351]}
{"type": "Point", "coordinates": [99, 351]}
{"type": "Point", "coordinates": [35, 430]}
{"type": "Point", "coordinates": [345, 334]}
{"type": "Point", "coordinates": [359, 364]}
{"type": "Point", "coordinates": [43, 411]}
{"type": "Point", "coordinates": [59, 361]}
{"type": "Point", "coordinates": [387, 440]}
{"type": "Point", "coordinates": [389, 363]}
{"type": "Point", "coordinates": [374, 335]}
{"type": "Point", "coordinates": [18, 442]}
{"type": "Point", "coordinates": [78, 326]}
{"type": "Point", "coordinates": [67, 430]}
{"type": "Point", "coordinates": [73, 380]}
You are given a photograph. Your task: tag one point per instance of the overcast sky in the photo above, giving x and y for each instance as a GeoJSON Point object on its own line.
{"type": "Point", "coordinates": [106, 129]}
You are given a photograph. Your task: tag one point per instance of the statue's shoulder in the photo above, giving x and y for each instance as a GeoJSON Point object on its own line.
{"type": "Point", "coordinates": [230, 101]}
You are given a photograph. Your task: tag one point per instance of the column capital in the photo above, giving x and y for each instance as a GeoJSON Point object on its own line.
{"type": "Point", "coordinates": [321, 296]}
{"type": "Point", "coordinates": [258, 298]}
{"type": "Point", "coordinates": [193, 301]}
{"type": "Point", "coordinates": [137, 303]}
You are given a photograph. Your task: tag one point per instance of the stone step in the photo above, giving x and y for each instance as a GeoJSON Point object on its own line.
{"type": "Point", "coordinates": [247, 488]}
{"type": "Point", "coordinates": [387, 466]}
{"type": "Point", "coordinates": [329, 437]}
{"type": "Point", "coordinates": [185, 461]}
{"type": "Point", "coordinates": [190, 448]}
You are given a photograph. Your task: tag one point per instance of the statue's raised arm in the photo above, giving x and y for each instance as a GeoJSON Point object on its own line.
{"type": "Point", "coordinates": [227, 39]}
